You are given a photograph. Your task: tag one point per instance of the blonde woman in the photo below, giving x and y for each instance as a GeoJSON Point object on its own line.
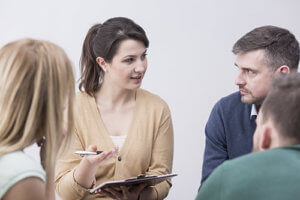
{"type": "Point", "coordinates": [36, 99]}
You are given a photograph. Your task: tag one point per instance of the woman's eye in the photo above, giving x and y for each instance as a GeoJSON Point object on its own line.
{"type": "Point", "coordinates": [129, 60]}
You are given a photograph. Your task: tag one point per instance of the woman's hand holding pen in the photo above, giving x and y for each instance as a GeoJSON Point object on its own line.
{"type": "Point", "coordinates": [96, 160]}
{"type": "Point", "coordinates": [85, 172]}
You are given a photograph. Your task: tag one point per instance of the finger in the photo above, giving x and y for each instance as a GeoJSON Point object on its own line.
{"type": "Point", "coordinates": [101, 158]}
{"type": "Point", "coordinates": [108, 194]}
{"type": "Point", "coordinates": [105, 156]}
{"type": "Point", "coordinates": [117, 194]}
{"type": "Point", "coordinates": [125, 191]}
{"type": "Point", "coordinates": [98, 191]}
{"type": "Point", "coordinates": [115, 150]}
{"type": "Point", "coordinates": [139, 188]}
{"type": "Point", "coordinates": [113, 194]}
{"type": "Point", "coordinates": [92, 148]}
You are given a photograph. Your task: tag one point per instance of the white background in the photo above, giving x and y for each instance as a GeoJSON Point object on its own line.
{"type": "Point", "coordinates": [190, 59]}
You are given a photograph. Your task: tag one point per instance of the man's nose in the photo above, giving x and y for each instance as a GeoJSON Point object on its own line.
{"type": "Point", "coordinates": [240, 80]}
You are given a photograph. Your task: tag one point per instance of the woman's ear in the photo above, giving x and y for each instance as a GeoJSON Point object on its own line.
{"type": "Point", "coordinates": [101, 62]}
{"type": "Point", "coordinates": [284, 69]}
{"type": "Point", "coordinates": [266, 139]}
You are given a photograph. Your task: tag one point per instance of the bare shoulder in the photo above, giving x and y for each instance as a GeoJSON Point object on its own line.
{"type": "Point", "coordinates": [31, 188]}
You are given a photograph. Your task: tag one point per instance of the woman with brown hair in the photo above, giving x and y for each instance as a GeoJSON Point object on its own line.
{"type": "Point", "coordinates": [36, 101]}
{"type": "Point", "coordinates": [112, 111]}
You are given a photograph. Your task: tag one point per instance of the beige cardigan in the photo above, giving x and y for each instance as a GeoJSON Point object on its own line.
{"type": "Point", "coordinates": [148, 147]}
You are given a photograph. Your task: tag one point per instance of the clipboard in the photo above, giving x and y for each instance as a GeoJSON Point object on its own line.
{"type": "Point", "coordinates": [150, 180]}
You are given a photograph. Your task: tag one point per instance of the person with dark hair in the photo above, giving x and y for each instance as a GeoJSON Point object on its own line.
{"type": "Point", "coordinates": [272, 172]}
{"type": "Point", "coordinates": [112, 111]}
{"type": "Point", "coordinates": [261, 55]}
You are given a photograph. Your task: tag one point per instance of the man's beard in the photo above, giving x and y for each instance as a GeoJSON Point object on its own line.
{"type": "Point", "coordinates": [253, 99]}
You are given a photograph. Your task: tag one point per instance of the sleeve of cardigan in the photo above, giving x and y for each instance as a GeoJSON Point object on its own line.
{"type": "Point", "coordinates": [65, 184]}
{"type": "Point", "coordinates": [162, 154]}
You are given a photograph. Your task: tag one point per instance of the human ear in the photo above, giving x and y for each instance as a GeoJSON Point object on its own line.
{"type": "Point", "coordinates": [284, 69]}
{"type": "Point", "coordinates": [266, 140]}
{"type": "Point", "coordinates": [101, 62]}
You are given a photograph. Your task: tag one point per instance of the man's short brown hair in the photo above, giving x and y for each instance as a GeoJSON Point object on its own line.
{"type": "Point", "coordinates": [282, 105]}
{"type": "Point", "coordinates": [280, 46]}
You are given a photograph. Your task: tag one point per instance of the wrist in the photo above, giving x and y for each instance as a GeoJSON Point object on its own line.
{"type": "Point", "coordinates": [80, 182]}
{"type": "Point", "coordinates": [84, 174]}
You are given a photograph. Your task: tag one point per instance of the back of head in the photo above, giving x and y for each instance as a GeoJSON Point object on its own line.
{"type": "Point", "coordinates": [280, 46]}
{"type": "Point", "coordinates": [36, 82]}
{"type": "Point", "coordinates": [103, 40]}
{"type": "Point", "coordinates": [282, 105]}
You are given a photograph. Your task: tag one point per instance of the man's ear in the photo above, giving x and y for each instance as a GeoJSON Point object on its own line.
{"type": "Point", "coordinates": [284, 69]}
{"type": "Point", "coordinates": [101, 62]}
{"type": "Point", "coordinates": [266, 139]}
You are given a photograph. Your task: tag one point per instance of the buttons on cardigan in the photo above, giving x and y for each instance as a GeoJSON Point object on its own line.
{"type": "Point", "coordinates": [119, 158]}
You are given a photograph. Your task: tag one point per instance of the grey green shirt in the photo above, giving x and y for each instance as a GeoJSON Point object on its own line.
{"type": "Point", "coordinates": [272, 174]}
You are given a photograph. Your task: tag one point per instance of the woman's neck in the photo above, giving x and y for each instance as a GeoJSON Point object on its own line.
{"type": "Point", "coordinates": [114, 98]}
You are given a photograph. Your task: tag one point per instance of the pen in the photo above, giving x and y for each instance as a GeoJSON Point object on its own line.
{"type": "Point", "coordinates": [86, 153]}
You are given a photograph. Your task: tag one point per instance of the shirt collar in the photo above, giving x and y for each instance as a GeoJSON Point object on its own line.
{"type": "Point", "coordinates": [253, 114]}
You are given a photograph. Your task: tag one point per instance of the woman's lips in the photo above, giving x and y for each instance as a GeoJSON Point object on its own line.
{"type": "Point", "coordinates": [137, 78]}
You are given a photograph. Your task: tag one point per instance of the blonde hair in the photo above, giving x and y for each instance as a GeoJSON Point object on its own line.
{"type": "Point", "coordinates": [37, 90]}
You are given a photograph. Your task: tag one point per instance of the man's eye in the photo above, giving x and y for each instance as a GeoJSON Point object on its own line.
{"type": "Point", "coordinates": [249, 71]}
{"type": "Point", "coordinates": [144, 56]}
